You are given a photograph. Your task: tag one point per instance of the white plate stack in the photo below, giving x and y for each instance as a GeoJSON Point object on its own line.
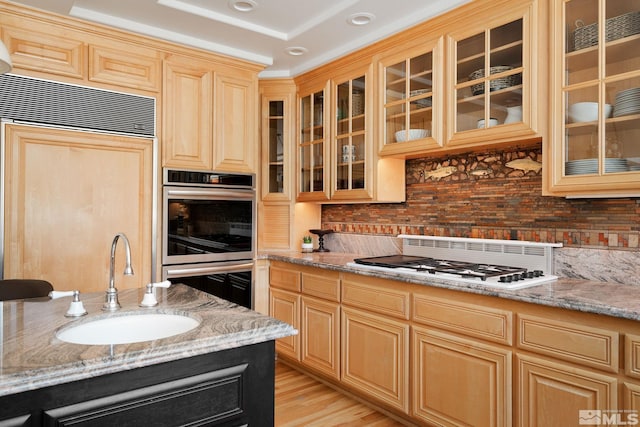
{"type": "Point", "coordinates": [587, 166]}
{"type": "Point", "coordinates": [627, 102]}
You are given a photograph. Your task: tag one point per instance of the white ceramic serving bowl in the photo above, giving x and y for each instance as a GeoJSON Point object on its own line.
{"type": "Point", "coordinates": [587, 111]}
{"type": "Point", "coordinates": [492, 122]}
{"type": "Point", "coordinates": [402, 136]}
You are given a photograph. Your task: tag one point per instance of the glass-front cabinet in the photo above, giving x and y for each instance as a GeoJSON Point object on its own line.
{"type": "Point", "coordinates": [351, 138]}
{"type": "Point", "coordinates": [493, 68]}
{"type": "Point", "coordinates": [313, 184]}
{"type": "Point", "coordinates": [411, 88]}
{"type": "Point", "coordinates": [596, 109]}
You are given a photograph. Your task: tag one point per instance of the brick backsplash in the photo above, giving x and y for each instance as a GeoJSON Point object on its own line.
{"type": "Point", "coordinates": [483, 197]}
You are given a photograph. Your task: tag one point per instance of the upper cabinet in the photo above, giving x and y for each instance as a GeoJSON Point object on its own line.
{"type": "Point", "coordinates": [411, 86]}
{"type": "Point", "coordinates": [313, 149]}
{"type": "Point", "coordinates": [210, 116]}
{"type": "Point", "coordinates": [595, 114]}
{"type": "Point", "coordinates": [493, 76]}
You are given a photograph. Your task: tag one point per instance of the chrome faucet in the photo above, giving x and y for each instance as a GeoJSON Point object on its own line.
{"type": "Point", "coordinates": [111, 302]}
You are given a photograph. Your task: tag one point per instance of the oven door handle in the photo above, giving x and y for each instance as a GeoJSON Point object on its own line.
{"type": "Point", "coordinates": [199, 271]}
{"type": "Point", "coordinates": [224, 194]}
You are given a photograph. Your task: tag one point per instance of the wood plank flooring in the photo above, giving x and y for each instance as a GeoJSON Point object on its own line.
{"type": "Point", "coordinates": [303, 401]}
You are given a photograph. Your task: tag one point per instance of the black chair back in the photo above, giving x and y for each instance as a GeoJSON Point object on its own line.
{"type": "Point", "coordinates": [11, 289]}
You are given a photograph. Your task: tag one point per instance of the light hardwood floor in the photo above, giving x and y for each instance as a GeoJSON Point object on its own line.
{"type": "Point", "coordinates": [303, 401]}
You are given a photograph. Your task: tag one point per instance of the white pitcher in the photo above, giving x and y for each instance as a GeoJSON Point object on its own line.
{"type": "Point", "coordinates": [514, 114]}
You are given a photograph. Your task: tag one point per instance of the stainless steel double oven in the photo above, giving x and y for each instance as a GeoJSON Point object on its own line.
{"type": "Point", "coordinates": [208, 232]}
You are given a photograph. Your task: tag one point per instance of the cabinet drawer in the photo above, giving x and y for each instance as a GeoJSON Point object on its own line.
{"type": "Point", "coordinates": [326, 286]}
{"type": "Point", "coordinates": [632, 355]}
{"type": "Point", "coordinates": [469, 319]}
{"type": "Point", "coordinates": [284, 278]}
{"type": "Point", "coordinates": [377, 295]}
{"type": "Point", "coordinates": [585, 345]}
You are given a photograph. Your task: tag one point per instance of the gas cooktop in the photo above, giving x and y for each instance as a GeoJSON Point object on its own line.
{"type": "Point", "coordinates": [507, 277]}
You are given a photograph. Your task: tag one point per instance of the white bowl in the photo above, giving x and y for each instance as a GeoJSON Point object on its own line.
{"type": "Point", "coordinates": [401, 135]}
{"type": "Point", "coordinates": [492, 122]}
{"type": "Point", "coordinates": [587, 111]}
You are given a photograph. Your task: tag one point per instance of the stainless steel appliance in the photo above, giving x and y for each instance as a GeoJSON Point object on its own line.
{"type": "Point", "coordinates": [505, 264]}
{"type": "Point", "coordinates": [208, 229]}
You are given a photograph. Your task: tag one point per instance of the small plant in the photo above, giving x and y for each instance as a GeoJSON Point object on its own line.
{"type": "Point", "coordinates": [307, 239]}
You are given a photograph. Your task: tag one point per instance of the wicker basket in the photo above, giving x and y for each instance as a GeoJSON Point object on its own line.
{"type": "Point", "coordinates": [494, 84]}
{"type": "Point", "coordinates": [617, 27]}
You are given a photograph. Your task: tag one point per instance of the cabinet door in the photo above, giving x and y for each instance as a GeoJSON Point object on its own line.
{"type": "Point", "coordinates": [285, 306]}
{"type": "Point", "coordinates": [125, 65]}
{"type": "Point", "coordinates": [554, 394]}
{"type": "Point", "coordinates": [313, 151]}
{"type": "Point", "coordinates": [493, 69]}
{"type": "Point", "coordinates": [60, 184]}
{"type": "Point", "coordinates": [187, 114]}
{"type": "Point", "coordinates": [460, 381]}
{"type": "Point", "coordinates": [320, 334]}
{"type": "Point", "coordinates": [351, 140]}
{"type": "Point", "coordinates": [595, 119]}
{"type": "Point", "coordinates": [46, 49]}
{"type": "Point", "coordinates": [375, 359]}
{"type": "Point", "coordinates": [236, 118]}
{"type": "Point", "coordinates": [411, 86]}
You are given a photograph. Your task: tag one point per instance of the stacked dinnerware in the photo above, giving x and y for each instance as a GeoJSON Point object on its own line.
{"type": "Point", "coordinates": [587, 166]}
{"type": "Point", "coordinates": [627, 102]}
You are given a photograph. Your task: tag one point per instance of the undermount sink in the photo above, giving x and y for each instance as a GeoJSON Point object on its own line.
{"type": "Point", "coordinates": [128, 328]}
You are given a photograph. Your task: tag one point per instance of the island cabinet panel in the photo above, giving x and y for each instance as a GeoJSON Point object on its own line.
{"type": "Point", "coordinates": [220, 391]}
{"type": "Point", "coordinates": [229, 387]}
{"type": "Point", "coordinates": [588, 346]}
{"type": "Point", "coordinates": [458, 381]}
{"type": "Point", "coordinates": [375, 352]}
{"type": "Point", "coordinates": [552, 393]}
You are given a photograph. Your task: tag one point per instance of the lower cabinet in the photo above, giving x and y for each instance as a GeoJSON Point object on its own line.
{"type": "Point", "coordinates": [320, 332]}
{"type": "Point", "coordinates": [552, 393]}
{"type": "Point", "coordinates": [230, 387]}
{"type": "Point", "coordinates": [375, 357]}
{"type": "Point", "coordinates": [441, 357]}
{"type": "Point", "coordinates": [459, 381]}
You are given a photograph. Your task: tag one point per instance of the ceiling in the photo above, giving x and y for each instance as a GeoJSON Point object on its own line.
{"type": "Point", "coordinates": [264, 33]}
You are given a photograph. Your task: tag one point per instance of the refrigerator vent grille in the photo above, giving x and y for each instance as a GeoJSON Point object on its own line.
{"type": "Point", "coordinates": [53, 103]}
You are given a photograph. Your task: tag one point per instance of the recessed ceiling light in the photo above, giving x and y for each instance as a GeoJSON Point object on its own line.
{"type": "Point", "coordinates": [296, 50]}
{"type": "Point", "coordinates": [243, 5]}
{"type": "Point", "coordinates": [362, 18]}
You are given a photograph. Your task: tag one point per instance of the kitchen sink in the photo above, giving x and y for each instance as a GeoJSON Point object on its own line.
{"type": "Point", "coordinates": [127, 328]}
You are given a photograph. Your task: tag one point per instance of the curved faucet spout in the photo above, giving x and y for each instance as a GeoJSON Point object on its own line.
{"type": "Point", "coordinates": [111, 300]}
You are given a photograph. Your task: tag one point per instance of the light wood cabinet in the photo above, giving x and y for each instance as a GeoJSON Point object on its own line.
{"type": "Point", "coordinates": [125, 65]}
{"type": "Point", "coordinates": [595, 106]}
{"type": "Point", "coordinates": [551, 393]}
{"type": "Point", "coordinates": [459, 381]}
{"type": "Point", "coordinates": [188, 114]}
{"type": "Point", "coordinates": [375, 353]}
{"type": "Point", "coordinates": [285, 306]}
{"type": "Point", "coordinates": [411, 85]}
{"type": "Point", "coordinates": [320, 332]}
{"type": "Point", "coordinates": [494, 79]}
{"type": "Point", "coordinates": [235, 144]}
{"type": "Point", "coordinates": [59, 183]}
{"type": "Point", "coordinates": [443, 357]}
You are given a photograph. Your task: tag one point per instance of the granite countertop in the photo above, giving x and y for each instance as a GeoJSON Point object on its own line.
{"type": "Point", "coordinates": [611, 299]}
{"type": "Point", "coordinates": [32, 357]}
